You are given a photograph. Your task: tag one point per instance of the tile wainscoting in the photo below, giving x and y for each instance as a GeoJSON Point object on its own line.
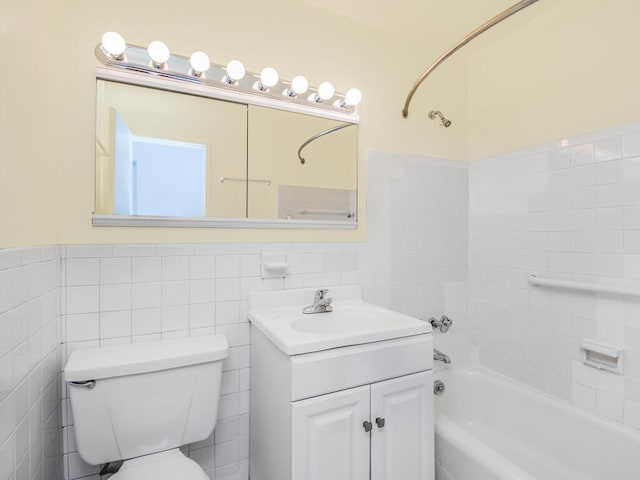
{"type": "Point", "coordinates": [30, 386]}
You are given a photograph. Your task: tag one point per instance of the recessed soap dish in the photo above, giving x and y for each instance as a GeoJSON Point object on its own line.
{"type": "Point", "coordinates": [602, 356]}
{"type": "Point", "coordinates": [274, 265]}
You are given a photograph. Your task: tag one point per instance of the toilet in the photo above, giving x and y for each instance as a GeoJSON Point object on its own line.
{"type": "Point", "coordinates": [141, 402]}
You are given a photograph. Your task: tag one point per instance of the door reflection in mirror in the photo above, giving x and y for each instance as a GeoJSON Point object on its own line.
{"type": "Point", "coordinates": [161, 153]}
{"type": "Point", "coordinates": [154, 176]}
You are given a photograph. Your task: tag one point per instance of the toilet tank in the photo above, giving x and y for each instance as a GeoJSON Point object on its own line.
{"type": "Point", "coordinates": [137, 399]}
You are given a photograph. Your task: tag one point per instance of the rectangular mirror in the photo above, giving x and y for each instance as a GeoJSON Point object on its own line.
{"type": "Point", "coordinates": [167, 158]}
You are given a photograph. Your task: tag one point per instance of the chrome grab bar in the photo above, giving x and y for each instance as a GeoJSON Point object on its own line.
{"type": "Point", "coordinates": [537, 281]}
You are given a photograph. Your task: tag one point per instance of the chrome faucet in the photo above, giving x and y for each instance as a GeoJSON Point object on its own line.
{"type": "Point", "coordinates": [321, 303]}
{"type": "Point", "coordinates": [441, 357]}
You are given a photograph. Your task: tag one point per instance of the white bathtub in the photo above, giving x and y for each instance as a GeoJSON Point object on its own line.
{"type": "Point", "coordinates": [491, 428]}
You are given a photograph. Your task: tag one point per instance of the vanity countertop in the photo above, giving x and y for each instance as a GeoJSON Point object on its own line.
{"type": "Point", "coordinates": [278, 315]}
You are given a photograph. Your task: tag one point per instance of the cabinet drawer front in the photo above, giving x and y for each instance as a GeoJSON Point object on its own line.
{"type": "Point", "coordinates": [328, 439]}
{"type": "Point", "coordinates": [328, 371]}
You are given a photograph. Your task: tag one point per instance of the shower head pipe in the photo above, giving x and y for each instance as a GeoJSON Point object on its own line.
{"type": "Point", "coordinates": [445, 122]}
{"type": "Point", "coordinates": [470, 36]}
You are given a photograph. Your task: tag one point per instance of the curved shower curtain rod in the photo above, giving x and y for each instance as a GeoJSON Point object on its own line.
{"type": "Point", "coordinates": [470, 36]}
{"type": "Point", "coordinates": [317, 136]}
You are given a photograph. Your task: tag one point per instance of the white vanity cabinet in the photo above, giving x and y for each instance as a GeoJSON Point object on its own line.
{"type": "Point", "coordinates": [379, 432]}
{"type": "Point", "coordinates": [357, 412]}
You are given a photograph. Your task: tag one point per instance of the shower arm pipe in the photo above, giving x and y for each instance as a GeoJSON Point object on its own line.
{"type": "Point", "coordinates": [319, 135]}
{"type": "Point", "coordinates": [470, 36]}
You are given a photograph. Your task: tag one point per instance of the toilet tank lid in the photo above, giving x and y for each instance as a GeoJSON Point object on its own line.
{"type": "Point", "coordinates": [131, 359]}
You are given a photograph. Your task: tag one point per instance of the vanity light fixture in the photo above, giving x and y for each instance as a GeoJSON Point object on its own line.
{"type": "Point", "coordinates": [326, 91]}
{"type": "Point", "coordinates": [299, 86]}
{"type": "Point", "coordinates": [113, 45]}
{"type": "Point", "coordinates": [159, 53]}
{"type": "Point", "coordinates": [268, 78]}
{"type": "Point", "coordinates": [235, 72]}
{"type": "Point", "coordinates": [232, 79]}
{"type": "Point", "coordinates": [200, 63]}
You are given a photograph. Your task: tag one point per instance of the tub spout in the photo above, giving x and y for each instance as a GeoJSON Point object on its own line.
{"type": "Point", "coordinates": [438, 355]}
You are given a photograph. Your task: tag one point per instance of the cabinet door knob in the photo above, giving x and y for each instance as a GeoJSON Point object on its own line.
{"type": "Point", "coordinates": [380, 422]}
{"type": "Point", "coordinates": [367, 425]}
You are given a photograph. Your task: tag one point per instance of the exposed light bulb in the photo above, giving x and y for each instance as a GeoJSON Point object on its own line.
{"type": "Point", "coordinates": [200, 63]}
{"type": "Point", "coordinates": [235, 71]}
{"type": "Point", "coordinates": [353, 97]}
{"type": "Point", "coordinates": [114, 45]}
{"type": "Point", "coordinates": [299, 85]}
{"type": "Point", "coordinates": [269, 77]}
{"type": "Point", "coordinates": [159, 53]}
{"type": "Point", "coordinates": [326, 90]}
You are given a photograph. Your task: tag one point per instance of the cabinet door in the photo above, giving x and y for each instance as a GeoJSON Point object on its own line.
{"type": "Point", "coordinates": [329, 441]}
{"type": "Point", "coordinates": [402, 447]}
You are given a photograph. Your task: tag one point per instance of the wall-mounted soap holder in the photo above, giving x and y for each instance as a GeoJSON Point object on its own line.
{"type": "Point", "coordinates": [602, 356]}
{"type": "Point", "coordinates": [274, 265]}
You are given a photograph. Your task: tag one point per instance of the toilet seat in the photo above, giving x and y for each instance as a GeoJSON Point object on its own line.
{"type": "Point", "coordinates": [168, 465]}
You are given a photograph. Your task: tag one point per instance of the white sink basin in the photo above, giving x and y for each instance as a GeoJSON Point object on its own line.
{"type": "Point", "coordinates": [348, 317]}
{"type": "Point", "coordinates": [279, 317]}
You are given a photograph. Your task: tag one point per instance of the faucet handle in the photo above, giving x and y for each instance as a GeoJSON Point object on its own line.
{"type": "Point", "coordinates": [443, 324]}
{"type": "Point", "coordinates": [321, 293]}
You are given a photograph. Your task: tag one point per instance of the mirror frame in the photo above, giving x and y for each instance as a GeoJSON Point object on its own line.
{"type": "Point", "coordinates": [241, 97]}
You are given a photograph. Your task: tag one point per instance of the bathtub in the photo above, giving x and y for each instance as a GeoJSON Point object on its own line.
{"type": "Point", "coordinates": [489, 427]}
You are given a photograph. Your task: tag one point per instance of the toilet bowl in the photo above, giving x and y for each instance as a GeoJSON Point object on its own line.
{"type": "Point", "coordinates": [141, 402]}
{"type": "Point", "coordinates": [168, 465]}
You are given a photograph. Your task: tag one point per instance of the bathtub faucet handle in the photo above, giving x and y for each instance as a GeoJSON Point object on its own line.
{"type": "Point", "coordinates": [443, 324]}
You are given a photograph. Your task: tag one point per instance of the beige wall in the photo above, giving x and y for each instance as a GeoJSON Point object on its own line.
{"type": "Point", "coordinates": [59, 38]}
{"type": "Point", "coordinates": [561, 68]}
{"type": "Point", "coordinates": [29, 118]}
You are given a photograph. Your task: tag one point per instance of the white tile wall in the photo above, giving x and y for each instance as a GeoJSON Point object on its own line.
{"type": "Point", "coordinates": [414, 261]}
{"type": "Point", "coordinates": [569, 210]}
{"type": "Point", "coordinates": [30, 420]}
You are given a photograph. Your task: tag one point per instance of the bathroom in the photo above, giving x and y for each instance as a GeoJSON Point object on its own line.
{"type": "Point", "coordinates": [538, 174]}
